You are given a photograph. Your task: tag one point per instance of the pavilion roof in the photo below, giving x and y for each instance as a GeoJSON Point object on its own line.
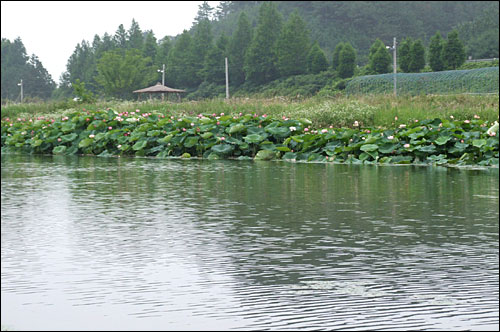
{"type": "Point", "coordinates": [158, 88]}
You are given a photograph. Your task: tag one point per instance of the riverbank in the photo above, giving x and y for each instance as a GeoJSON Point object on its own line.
{"type": "Point", "coordinates": [338, 111]}
{"type": "Point", "coordinates": [439, 141]}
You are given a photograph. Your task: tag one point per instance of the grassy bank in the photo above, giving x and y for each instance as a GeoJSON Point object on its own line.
{"type": "Point", "coordinates": [339, 111]}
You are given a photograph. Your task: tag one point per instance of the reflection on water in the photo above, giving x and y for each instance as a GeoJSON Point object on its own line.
{"type": "Point", "coordinates": [114, 243]}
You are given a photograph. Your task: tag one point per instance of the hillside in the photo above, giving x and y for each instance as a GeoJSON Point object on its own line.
{"type": "Point", "coordinates": [361, 22]}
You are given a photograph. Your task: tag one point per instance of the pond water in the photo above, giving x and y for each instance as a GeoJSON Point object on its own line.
{"type": "Point", "coordinates": [145, 244]}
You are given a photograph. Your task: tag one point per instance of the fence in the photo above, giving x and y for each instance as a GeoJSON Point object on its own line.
{"type": "Point", "coordinates": [480, 81]}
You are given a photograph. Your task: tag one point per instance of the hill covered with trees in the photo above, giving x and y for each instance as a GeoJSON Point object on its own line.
{"type": "Point", "coordinates": [280, 47]}
{"type": "Point", "coordinates": [361, 22]}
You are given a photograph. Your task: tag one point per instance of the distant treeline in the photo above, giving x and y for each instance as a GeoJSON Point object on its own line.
{"type": "Point", "coordinates": [264, 42]}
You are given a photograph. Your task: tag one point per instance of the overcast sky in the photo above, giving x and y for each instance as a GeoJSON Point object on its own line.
{"type": "Point", "coordinates": [52, 29]}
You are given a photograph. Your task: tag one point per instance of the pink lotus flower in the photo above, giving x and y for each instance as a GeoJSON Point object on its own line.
{"type": "Point", "coordinates": [59, 139]}
{"type": "Point", "coordinates": [390, 137]}
{"type": "Point", "coordinates": [110, 128]}
{"type": "Point", "coordinates": [306, 129]}
{"type": "Point", "coordinates": [222, 138]}
{"type": "Point", "coordinates": [406, 146]}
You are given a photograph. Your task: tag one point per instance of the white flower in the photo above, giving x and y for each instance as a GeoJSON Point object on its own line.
{"type": "Point", "coordinates": [293, 129]}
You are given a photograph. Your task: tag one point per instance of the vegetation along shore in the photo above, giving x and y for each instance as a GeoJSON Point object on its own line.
{"type": "Point", "coordinates": [241, 130]}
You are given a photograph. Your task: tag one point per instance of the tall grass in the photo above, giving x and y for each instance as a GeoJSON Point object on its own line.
{"type": "Point", "coordinates": [339, 111]}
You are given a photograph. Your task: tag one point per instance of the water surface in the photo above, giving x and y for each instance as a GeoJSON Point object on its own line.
{"type": "Point", "coordinates": [145, 244]}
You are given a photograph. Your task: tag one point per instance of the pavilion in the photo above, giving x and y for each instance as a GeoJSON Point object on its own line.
{"type": "Point", "coordinates": [159, 88]}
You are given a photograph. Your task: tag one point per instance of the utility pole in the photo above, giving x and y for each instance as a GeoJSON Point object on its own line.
{"type": "Point", "coordinates": [395, 66]}
{"type": "Point", "coordinates": [21, 85]}
{"type": "Point", "coordinates": [162, 80]}
{"type": "Point", "coordinates": [227, 81]}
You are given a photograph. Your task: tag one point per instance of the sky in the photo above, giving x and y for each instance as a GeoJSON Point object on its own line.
{"type": "Point", "coordinates": [52, 29]}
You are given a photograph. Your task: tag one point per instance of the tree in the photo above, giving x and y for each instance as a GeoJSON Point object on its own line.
{"type": "Point", "coordinates": [404, 54]}
{"type": "Point", "coordinates": [293, 46]}
{"type": "Point", "coordinates": [120, 74]}
{"type": "Point", "coordinates": [205, 12]}
{"type": "Point", "coordinates": [347, 61]}
{"type": "Point", "coordinates": [120, 38]}
{"type": "Point", "coordinates": [163, 49]}
{"type": "Point", "coordinates": [436, 53]}
{"type": "Point", "coordinates": [417, 56]}
{"type": "Point", "coordinates": [82, 65]}
{"type": "Point", "coordinates": [453, 51]}
{"type": "Point", "coordinates": [135, 39]}
{"type": "Point", "coordinates": [180, 73]}
{"type": "Point", "coordinates": [316, 60]}
{"type": "Point", "coordinates": [379, 58]}
{"type": "Point", "coordinates": [16, 65]}
{"type": "Point", "coordinates": [150, 47]}
{"type": "Point", "coordinates": [261, 59]}
{"type": "Point", "coordinates": [335, 55]}
{"type": "Point", "coordinates": [214, 69]}
{"type": "Point", "coordinates": [202, 43]}
{"type": "Point", "coordinates": [238, 47]}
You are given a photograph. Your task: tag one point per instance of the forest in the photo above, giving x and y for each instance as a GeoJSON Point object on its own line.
{"type": "Point", "coordinates": [281, 47]}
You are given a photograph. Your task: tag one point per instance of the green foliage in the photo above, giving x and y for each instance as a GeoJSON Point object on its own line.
{"type": "Point", "coordinates": [453, 51]}
{"type": "Point", "coordinates": [212, 136]}
{"type": "Point", "coordinates": [360, 23]}
{"type": "Point", "coordinates": [316, 60]}
{"type": "Point", "coordinates": [347, 61]}
{"type": "Point", "coordinates": [179, 69]}
{"type": "Point", "coordinates": [436, 52]}
{"type": "Point", "coordinates": [83, 95]}
{"type": "Point", "coordinates": [404, 54]}
{"type": "Point", "coordinates": [17, 66]}
{"type": "Point", "coordinates": [292, 47]}
{"type": "Point", "coordinates": [238, 46]}
{"type": "Point", "coordinates": [483, 80]}
{"type": "Point", "coordinates": [200, 46]}
{"type": "Point", "coordinates": [335, 55]}
{"type": "Point", "coordinates": [417, 56]}
{"type": "Point", "coordinates": [379, 58]}
{"type": "Point", "coordinates": [119, 74]}
{"type": "Point", "coordinates": [214, 68]}
{"type": "Point", "coordinates": [261, 58]}
{"type": "Point", "coordinates": [480, 35]}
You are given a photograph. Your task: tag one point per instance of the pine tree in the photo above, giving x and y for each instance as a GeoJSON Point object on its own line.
{"type": "Point", "coordinates": [417, 61]}
{"type": "Point", "coordinates": [163, 49]}
{"type": "Point", "coordinates": [379, 58]}
{"type": "Point", "coordinates": [404, 54]}
{"type": "Point", "coordinates": [202, 43]}
{"type": "Point", "coordinates": [261, 59]}
{"type": "Point", "coordinates": [238, 47]}
{"type": "Point", "coordinates": [135, 39]}
{"type": "Point", "coordinates": [214, 70]}
{"type": "Point", "coordinates": [347, 61]}
{"type": "Point", "coordinates": [293, 46]}
{"type": "Point", "coordinates": [150, 47]}
{"type": "Point", "coordinates": [316, 60]}
{"type": "Point", "coordinates": [335, 55]}
{"type": "Point", "coordinates": [436, 52]}
{"type": "Point", "coordinates": [179, 71]}
{"type": "Point", "coordinates": [120, 38]}
{"type": "Point", "coordinates": [453, 51]}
